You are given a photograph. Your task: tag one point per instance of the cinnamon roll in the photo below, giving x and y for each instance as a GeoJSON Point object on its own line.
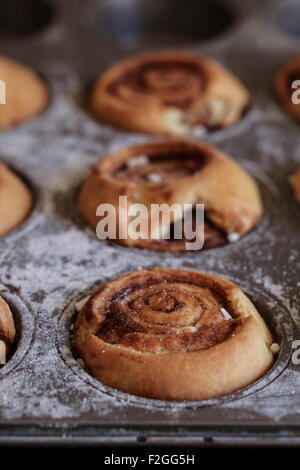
{"type": "Point", "coordinates": [173, 334]}
{"type": "Point", "coordinates": [23, 93]}
{"type": "Point", "coordinates": [168, 93]}
{"type": "Point", "coordinates": [15, 200]}
{"type": "Point", "coordinates": [295, 183]}
{"type": "Point", "coordinates": [287, 87]}
{"type": "Point", "coordinates": [173, 172]}
{"type": "Point", "coordinates": [7, 332]}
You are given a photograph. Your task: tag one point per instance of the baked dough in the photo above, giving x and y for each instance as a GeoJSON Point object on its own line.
{"type": "Point", "coordinates": [295, 182]}
{"type": "Point", "coordinates": [283, 86]}
{"type": "Point", "coordinates": [15, 200]}
{"type": "Point", "coordinates": [187, 172]}
{"type": "Point", "coordinates": [174, 335]}
{"type": "Point", "coordinates": [7, 331]}
{"type": "Point", "coordinates": [168, 93]}
{"type": "Point", "coordinates": [26, 94]}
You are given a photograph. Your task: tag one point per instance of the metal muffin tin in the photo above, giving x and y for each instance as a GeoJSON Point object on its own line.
{"type": "Point", "coordinates": [54, 259]}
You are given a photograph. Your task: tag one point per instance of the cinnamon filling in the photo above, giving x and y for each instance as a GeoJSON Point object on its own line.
{"type": "Point", "coordinates": [167, 168]}
{"type": "Point", "coordinates": [173, 83]}
{"type": "Point", "coordinates": [164, 316]}
{"type": "Point", "coordinates": [213, 236]}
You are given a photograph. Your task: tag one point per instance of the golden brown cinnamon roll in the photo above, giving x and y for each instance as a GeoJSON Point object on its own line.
{"type": "Point", "coordinates": [173, 334]}
{"type": "Point", "coordinates": [295, 182]}
{"type": "Point", "coordinates": [7, 332]}
{"type": "Point", "coordinates": [168, 93]}
{"type": "Point", "coordinates": [26, 94]}
{"type": "Point", "coordinates": [174, 172]}
{"type": "Point", "coordinates": [15, 200]}
{"type": "Point", "coordinates": [287, 89]}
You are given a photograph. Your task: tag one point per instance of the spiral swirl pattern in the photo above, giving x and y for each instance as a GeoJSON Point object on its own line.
{"type": "Point", "coordinates": [172, 334]}
{"type": "Point", "coordinates": [168, 93]}
{"type": "Point", "coordinates": [171, 83]}
{"type": "Point", "coordinates": [162, 312]}
{"type": "Point", "coordinates": [165, 318]}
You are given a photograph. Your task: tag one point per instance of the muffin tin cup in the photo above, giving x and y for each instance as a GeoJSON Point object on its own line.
{"type": "Point", "coordinates": [24, 323]}
{"type": "Point", "coordinates": [22, 18]}
{"type": "Point", "coordinates": [169, 22]}
{"type": "Point", "coordinates": [286, 18]}
{"type": "Point", "coordinates": [278, 321]}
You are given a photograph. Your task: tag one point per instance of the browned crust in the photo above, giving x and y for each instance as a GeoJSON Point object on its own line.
{"type": "Point", "coordinates": [231, 197]}
{"type": "Point", "coordinates": [282, 84]}
{"type": "Point", "coordinates": [295, 183]}
{"type": "Point", "coordinates": [197, 96]}
{"type": "Point", "coordinates": [7, 327]}
{"type": "Point", "coordinates": [26, 94]}
{"type": "Point", "coordinates": [15, 200]}
{"type": "Point", "coordinates": [230, 362]}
